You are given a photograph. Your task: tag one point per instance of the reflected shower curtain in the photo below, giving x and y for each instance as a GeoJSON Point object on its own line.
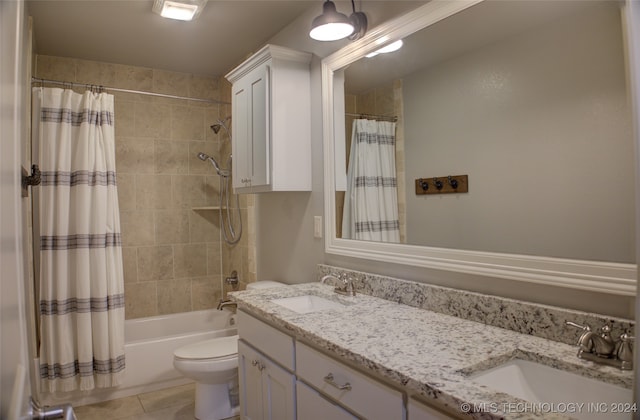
{"type": "Point", "coordinates": [371, 200]}
{"type": "Point", "coordinates": [81, 275]}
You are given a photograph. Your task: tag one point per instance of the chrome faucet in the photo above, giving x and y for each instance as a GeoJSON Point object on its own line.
{"type": "Point", "coordinates": [599, 347]}
{"type": "Point", "coordinates": [226, 302]}
{"type": "Point", "coordinates": [345, 284]}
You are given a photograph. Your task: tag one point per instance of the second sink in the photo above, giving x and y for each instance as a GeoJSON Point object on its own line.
{"type": "Point", "coordinates": [539, 383]}
{"type": "Point", "coordinates": [307, 303]}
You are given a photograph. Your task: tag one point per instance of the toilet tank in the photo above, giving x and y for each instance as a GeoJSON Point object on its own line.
{"type": "Point", "coordinates": [264, 284]}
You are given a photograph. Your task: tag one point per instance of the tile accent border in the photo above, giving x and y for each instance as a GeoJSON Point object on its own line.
{"type": "Point", "coordinates": [524, 317]}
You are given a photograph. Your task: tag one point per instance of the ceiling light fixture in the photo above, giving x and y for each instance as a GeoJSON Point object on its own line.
{"type": "Point", "coordinates": [332, 25]}
{"type": "Point", "coordinates": [394, 46]}
{"type": "Point", "coordinates": [179, 9]}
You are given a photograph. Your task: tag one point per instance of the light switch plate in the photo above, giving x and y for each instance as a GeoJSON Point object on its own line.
{"type": "Point", "coordinates": [317, 226]}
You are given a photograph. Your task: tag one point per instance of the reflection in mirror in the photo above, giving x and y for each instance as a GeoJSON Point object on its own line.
{"type": "Point", "coordinates": [528, 98]}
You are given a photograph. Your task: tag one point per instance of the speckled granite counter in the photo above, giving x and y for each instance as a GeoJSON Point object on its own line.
{"type": "Point", "coordinates": [425, 353]}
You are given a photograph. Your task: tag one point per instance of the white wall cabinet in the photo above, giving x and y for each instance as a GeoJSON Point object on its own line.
{"type": "Point", "coordinates": [271, 121]}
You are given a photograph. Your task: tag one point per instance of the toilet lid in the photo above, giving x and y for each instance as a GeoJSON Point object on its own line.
{"type": "Point", "coordinates": [209, 349]}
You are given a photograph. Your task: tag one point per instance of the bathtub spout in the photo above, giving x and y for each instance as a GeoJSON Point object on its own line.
{"type": "Point", "coordinates": [226, 302]}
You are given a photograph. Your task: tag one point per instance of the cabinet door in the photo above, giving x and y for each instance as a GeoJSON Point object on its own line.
{"type": "Point", "coordinates": [260, 115]}
{"type": "Point", "coordinates": [250, 378]}
{"type": "Point", "coordinates": [313, 406]}
{"type": "Point", "coordinates": [278, 392]}
{"type": "Point", "coordinates": [240, 145]}
{"type": "Point", "coordinates": [251, 145]}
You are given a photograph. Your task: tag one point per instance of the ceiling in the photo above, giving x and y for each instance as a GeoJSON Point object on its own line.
{"type": "Point", "coordinates": [127, 32]}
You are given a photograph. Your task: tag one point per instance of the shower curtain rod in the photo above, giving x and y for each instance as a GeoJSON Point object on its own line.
{"type": "Point", "coordinates": [374, 117]}
{"type": "Point", "coordinates": [140, 92]}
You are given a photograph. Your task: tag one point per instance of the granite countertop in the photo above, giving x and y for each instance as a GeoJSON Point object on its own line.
{"type": "Point", "coordinates": [423, 352]}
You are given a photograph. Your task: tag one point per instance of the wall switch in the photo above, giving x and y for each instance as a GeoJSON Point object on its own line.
{"type": "Point", "coordinates": [317, 226]}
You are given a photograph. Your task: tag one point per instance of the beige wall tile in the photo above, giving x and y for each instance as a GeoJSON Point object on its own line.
{"type": "Point", "coordinates": [212, 190]}
{"type": "Point", "coordinates": [56, 68]}
{"type": "Point", "coordinates": [125, 124]}
{"type": "Point", "coordinates": [188, 191]}
{"type": "Point", "coordinates": [214, 259]}
{"type": "Point", "coordinates": [130, 264]}
{"type": "Point", "coordinates": [174, 297]}
{"type": "Point", "coordinates": [126, 191]}
{"type": "Point", "coordinates": [152, 120]}
{"type": "Point", "coordinates": [137, 227]}
{"type": "Point", "coordinates": [190, 260]}
{"type": "Point", "coordinates": [204, 226]}
{"type": "Point", "coordinates": [234, 257]}
{"type": "Point", "coordinates": [155, 263]}
{"type": "Point", "coordinates": [187, 123]}
{"type": "Point", "coordinates": [134, 155]}
{"type": "Point", "coordinates": [203, 87]}
{"type": "Point", "coordinates": [205, 292]}
{"type": "Point", "coordinates": [172, 226]}
{"type": "Point", "coordinates": [140, 300]}
{"type": "Point", "coordinates": [385, 101]}
{"type": "Point", "coordinates": [134, 78]}
{"type": "Point", "coordinates": [153, 191]}
{"type": "Point", "coordinates": [171, 83]}
{"type": "Point", "coordinates": [171, 158]}
{"type": "Point", "coordinates": [95, 73]}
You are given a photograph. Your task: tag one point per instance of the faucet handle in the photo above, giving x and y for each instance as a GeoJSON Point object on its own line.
{"type": "Point", "coordinates": [582, 327]}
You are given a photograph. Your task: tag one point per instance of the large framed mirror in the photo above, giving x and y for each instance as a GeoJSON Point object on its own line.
{"type": "Point", "coordinates": [529, 100]}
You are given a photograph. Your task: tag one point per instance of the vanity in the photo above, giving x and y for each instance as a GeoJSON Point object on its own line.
{"type": "Point", "coordinates": [372, 357]}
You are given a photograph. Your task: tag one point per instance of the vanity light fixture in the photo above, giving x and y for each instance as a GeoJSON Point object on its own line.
{"type": "Point", "coordinates": [179, 9]}
{"type": "Point", "coordinates": [394, 46]}
{"type": "Point", "coordinates": [332, 25]}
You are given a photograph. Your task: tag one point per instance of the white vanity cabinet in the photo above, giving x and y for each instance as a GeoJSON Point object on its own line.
{"type": "Point", "coordinates": [271, 121]}
{"type": "Point", "coordinates": [417, 410]}
{"type": "Point", "coordinates": [267, 383]}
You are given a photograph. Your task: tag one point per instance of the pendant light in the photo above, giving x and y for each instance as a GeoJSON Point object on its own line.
{"type": "Point", "coordinates": [332, 25]}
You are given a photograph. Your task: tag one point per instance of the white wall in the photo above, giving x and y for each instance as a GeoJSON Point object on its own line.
{"type": "Point", "coordinates": [14, 85]}
{"type": "Point", "coordinates": [278, 239]}
{"type": "Point", "coordinates": [541, 123]}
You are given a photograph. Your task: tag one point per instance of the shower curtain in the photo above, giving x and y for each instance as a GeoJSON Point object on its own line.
{"type": "Point", "coordinates": [371, 200]}
{"type": "Point", "coordinates": [81, 275]}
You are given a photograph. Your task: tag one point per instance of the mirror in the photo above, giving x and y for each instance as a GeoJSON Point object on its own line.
{"type": "Point", "coordinates": [529, 100]}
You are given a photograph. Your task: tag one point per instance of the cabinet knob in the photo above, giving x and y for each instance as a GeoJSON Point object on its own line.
{"type": "Point", "coordinates": [257, 364]}
{"type": "Point", "coordinates": [329, 379]}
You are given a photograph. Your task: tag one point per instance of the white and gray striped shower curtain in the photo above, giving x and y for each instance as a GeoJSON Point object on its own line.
{"type": "Point", "coordinates": [371, 201]}
{"type": "Point", "coordinates": [81, 275]}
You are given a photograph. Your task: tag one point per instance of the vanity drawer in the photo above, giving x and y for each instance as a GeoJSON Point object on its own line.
{"type": "Point", "coordinates": [367, 397]}
{"type": "Point", "coordinates": [270, 341]}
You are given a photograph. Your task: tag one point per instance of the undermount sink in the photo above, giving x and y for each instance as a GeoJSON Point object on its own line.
{"type": "Point", "coordinates": [307, 303]}
{"type": "Point", "coordinates": [537, 383]}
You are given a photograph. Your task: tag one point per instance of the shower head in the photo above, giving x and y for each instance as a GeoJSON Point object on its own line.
{"type": "Point", "coordinates": [221, 124]}
{"type": "Point", "coordinates": [221, 172]}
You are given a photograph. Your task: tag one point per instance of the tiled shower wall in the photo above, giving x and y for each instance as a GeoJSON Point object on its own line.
{"type": "Point", "coordinates": [174, 259]}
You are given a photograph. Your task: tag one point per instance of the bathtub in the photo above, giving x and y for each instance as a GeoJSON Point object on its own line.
{"type": "Point", "coordinates": [149, 346]}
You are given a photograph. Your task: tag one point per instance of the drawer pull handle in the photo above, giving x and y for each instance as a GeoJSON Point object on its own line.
{"type": "Point", "coordinates": [257, 364]}
{"type": "Point", "coordinates": [329, 379]}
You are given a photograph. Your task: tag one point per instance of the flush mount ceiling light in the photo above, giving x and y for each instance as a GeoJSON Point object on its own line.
{"type": "Point", "coordinates": [394, 46]}
{"type": "Point", "coordinates": [179, 9]}
{"type": "Point", "coordinates": [332, 25]}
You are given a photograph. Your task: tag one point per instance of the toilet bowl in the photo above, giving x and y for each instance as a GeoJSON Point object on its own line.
{"type": "Point", "coordinates": [213, 365]}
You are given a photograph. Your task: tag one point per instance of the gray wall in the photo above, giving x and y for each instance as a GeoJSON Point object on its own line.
{"type": "Point", "coordinates": [287, 251]}
{"type": "Point", "coordinates": [541, 123]}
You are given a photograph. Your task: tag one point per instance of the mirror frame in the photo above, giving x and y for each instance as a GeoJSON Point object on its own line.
{"type": "Point", "coordinates": [596, 276]}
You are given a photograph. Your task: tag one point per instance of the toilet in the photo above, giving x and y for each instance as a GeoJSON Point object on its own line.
{"type": "Point", "coordinates": [213, 365]}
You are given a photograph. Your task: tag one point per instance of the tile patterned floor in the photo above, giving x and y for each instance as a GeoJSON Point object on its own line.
{"type": "Point", "coordinates": [167, 404]}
